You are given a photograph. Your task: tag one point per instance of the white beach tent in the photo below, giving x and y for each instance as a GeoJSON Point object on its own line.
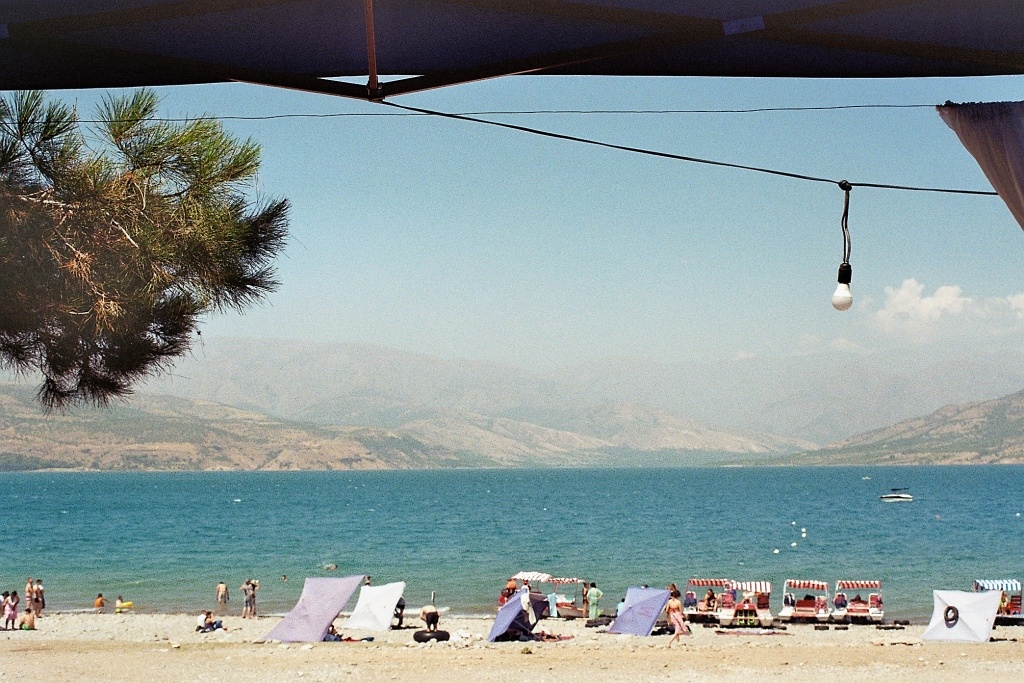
{"type": "Point", "coordinates": [963, 617]}
{"type": "Point", "coordinates": [376, 607]}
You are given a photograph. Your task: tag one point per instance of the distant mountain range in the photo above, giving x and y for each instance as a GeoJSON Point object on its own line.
{"type": "Point", "coordinates": [811, 398]}
{"type": "Point", "coordinates": [983, 432]}
{"type": "Point", "coordinates": [239, 404]}
{"type": "Point", "coordinates": [170, 433]}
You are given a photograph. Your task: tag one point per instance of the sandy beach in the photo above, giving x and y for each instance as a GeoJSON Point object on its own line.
{"type": "Point", "coordinates": [161, 647]}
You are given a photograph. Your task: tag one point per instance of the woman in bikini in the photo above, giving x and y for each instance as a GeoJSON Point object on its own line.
{"type": "Point", "coordinates": [674, 612]}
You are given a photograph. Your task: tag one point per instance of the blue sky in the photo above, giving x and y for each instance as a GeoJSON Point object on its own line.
{"type": "Point", "coordinates": [467, 241]}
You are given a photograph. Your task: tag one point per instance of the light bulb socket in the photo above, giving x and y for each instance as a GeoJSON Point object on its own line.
{"type": "Point", "coordinates": [845, 273]}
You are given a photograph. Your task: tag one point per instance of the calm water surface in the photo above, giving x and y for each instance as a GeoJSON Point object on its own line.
{"type": "Point", "coordinates": [165, 539]}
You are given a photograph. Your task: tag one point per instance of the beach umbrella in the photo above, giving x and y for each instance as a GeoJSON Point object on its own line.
{"type": "Point", "coordinates": [962, 616]}
{"type": "Point", "coordinates": [641, 611]}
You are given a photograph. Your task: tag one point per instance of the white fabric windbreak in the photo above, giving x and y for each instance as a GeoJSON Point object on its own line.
{"type": "Point", "coordinates": [376, 607]}
{"type": "Point", "coordinates": [962, 617]}
{"type": "Point", "coordinates": [993, 132]}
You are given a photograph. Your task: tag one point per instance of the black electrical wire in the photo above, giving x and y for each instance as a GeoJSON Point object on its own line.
{"type": "Point", "coordinates": [530, 112]}
{"type": "Point", "coordinates": [680, 157]}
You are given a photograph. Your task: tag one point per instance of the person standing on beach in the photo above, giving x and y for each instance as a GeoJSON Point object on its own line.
{"type": "Point", "coordinates": [247, 599]}
{"type": "Point", "coordinates": [11, 610]}
{"type": "Point", "coordinates": [586, 600]}
{"type": "Point", "coordinates": [30, 591]}
{"type": "Point", "coordinates": [222, 594]}
{"type": "Point", "coordinates": [255, 588]}
{"type": "Point", "coordinates": [594, 595]}
{"type": "Point", "coordinates": [39, 598]}
{"type": "Point", "coordinates": [674, 612]}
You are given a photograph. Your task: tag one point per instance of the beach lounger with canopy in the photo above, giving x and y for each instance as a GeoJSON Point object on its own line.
{"type": "Point", "coordinates": [641, 610]}
{"type": "Point", "coordinates": [376, 607]}
{"type": "Point", "coordinates": [796, 608]}
{"type": "Point", "coordinates": [868, 611]}
{"type": "Point", "coordinates": [1010, 612]}
{"type": "Point", "coordinates": [753, 609]}
{"type": "Point", "coordinates": [963, 617]}
{"type": "Point", "coordinates": [694, 606]}
{"type": "Point", "coordinates": [321, 601]}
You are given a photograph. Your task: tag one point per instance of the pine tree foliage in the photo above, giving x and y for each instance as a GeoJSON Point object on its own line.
{"type": "Point", "coordinates": [115, 239]}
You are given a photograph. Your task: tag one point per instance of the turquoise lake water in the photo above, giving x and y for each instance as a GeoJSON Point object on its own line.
{"type": "Point", "coordinates": [164, 540]}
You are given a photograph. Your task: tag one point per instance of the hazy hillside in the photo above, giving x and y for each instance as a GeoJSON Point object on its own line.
{"type": "Point", "coordinates": [159, 432]}
{"type": "Point", "coordinates": [973, 433]}
{"type": "Point", "coordinates": [816, 398]}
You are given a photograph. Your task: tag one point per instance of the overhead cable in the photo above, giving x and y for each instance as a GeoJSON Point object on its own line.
{"type": "Point", "coordinates": [680, 157]}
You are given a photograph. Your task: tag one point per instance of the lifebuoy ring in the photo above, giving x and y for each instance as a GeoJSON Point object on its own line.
{"type": "Point", "coordinates": [951, 616]}
{"type": "Point", "coordinates": [426, 636]}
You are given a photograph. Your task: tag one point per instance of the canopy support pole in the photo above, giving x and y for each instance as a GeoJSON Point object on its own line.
{"type": "Point", "coordinates": [375, 92]}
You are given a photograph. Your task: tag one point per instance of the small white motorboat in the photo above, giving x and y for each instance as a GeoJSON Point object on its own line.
{"type": "Point", "coordinates": [897, 496]}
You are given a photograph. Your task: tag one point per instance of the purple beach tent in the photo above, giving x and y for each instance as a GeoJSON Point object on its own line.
{"type": "Point", "coordinates": [514, 613]}
{"type": "Point", "coordinates": [321, 601]}
{"type": "Point", "coordinates": [642, 609]}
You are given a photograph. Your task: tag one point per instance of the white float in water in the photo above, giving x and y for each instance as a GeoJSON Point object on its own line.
{"type": "Point", "coordinates": [793, 523]}
{"type": "Point", "coordinates": [237, 500]}
{"type": "Point", "coordinates": [803, 535]}
{"type": "Point", "coordinates": [793, 544]}
{"type": "Point", "coordinates": [803, 530]}
{"type": "Point", "coordinates": [776, 551]}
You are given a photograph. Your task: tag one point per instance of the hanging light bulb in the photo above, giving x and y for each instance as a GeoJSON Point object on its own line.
{"type": "Point", "coordinates": [842, 299]}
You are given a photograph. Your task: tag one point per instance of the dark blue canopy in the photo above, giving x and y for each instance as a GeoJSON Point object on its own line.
{"type": "Point", "coordinates": [295, 43]}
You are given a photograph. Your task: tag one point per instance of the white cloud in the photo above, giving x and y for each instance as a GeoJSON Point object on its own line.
{"type": "Point", "coordinates": [948, 315]}
{"type": "Point", "coordinates": [909, 313]}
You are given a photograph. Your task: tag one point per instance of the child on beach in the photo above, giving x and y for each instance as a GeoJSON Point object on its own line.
{"type": "Point", "coordinates": [100, 602]}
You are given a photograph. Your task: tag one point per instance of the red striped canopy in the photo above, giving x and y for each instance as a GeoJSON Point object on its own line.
{"type": "Point", "coordinates": [716, 583]}
{"type": "Point", "coordinates": [804, 584]}
{"type": "Point", "coordinates": [858, 585]}
{"type": "Point", "coordinates": [752, 586]}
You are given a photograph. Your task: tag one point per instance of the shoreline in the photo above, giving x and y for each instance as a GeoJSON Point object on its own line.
{"type": "Point", "coordinates": [158, 648]}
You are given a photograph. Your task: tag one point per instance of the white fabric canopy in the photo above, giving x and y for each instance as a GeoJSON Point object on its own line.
{"type": "Point", "coordinates": [993, 132]}
{"type": "Point", "coordinates": [376, 607]}
{"type": "Point", "coordinates": [963, 617]}
{"type": "Point", "coordinates": [997, 585]}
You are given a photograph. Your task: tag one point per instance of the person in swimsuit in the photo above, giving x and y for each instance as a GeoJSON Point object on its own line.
{"type": "Point", "coordinates": [100, 602]}
{"type": "Point", "coordinates": [39, 598]}
{"type": "Point", "coordinates": [247, 595]}
{"type": "Point", "coordinates": [430, 617]}
{"type": "Point", "coordinates": [222, 596]}
{"type": "Point", "coordinates": [27, 621]}
{"type": "Point", "coordinates": [710, 601]}
{"type": "Point", "coordinates": [674, 612]}
{"type": "Point", "coordinates": [30, 591]}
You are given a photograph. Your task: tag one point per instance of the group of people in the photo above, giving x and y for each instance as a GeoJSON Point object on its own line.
{"type": "Point", "coordinates": [248, 589]}
{"type": "Point", "coordinates": [120, 604]}
{"type": "Point", "coordinates": [35, 602]}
